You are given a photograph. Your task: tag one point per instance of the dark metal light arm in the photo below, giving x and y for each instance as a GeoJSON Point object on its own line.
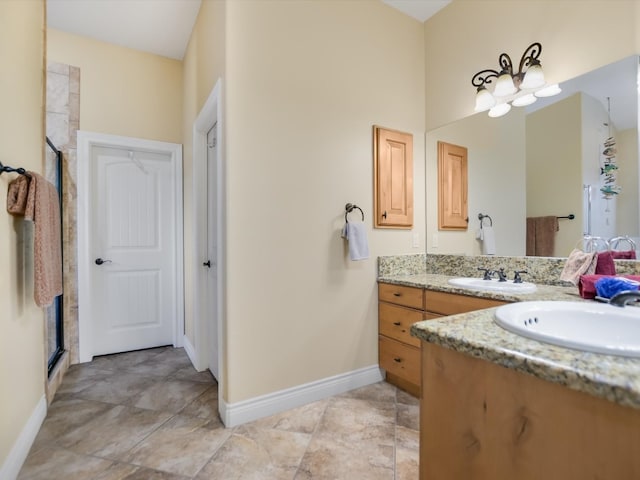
{"type": "Point", "coordinates": [534, 50]}
{"type": "Point", "coordinates": [505, 62]}
{"type": "Point", "coordinates": [485, 76]}
{"type": "Point", "coordinates": [529, 57]}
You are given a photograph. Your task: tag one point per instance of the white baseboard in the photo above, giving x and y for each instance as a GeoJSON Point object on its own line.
{"type": "Point", "coordinates": [233, 414]}
{"type": "Point", "coordinates": [190, 351]}
{"type": "Point", "coordinates": [18, 454]}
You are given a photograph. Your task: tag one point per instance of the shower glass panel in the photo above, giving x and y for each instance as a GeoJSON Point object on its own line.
{"type": "Point", "coordinates": [53, 313]}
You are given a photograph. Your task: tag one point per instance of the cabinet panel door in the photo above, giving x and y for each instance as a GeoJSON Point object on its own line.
{"type": "Point", "coordinates": [395, 322]}
{"type": "Point", "coordinates": [393, 171]}
{"type": "Point", "coordinates": [399, 359]}
{"type": "Point", "coordinates": [452, 187]}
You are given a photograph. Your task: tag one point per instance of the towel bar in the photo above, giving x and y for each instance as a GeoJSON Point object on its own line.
{"type": "Point", "coordinates": [350, 207]}
{"type": "Point", "coordinates": [21, 171]}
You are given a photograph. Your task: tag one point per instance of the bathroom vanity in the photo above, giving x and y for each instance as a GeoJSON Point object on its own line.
{"type": "Point", "coordinates": [495, 405]}
{"type": "Point", "coordinates": [400, 306]}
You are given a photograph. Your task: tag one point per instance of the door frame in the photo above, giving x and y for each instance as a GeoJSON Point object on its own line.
{"type": "Point", "coordinates": [210, 115]}
{"type": "Point", "coordinates": [86, 141]}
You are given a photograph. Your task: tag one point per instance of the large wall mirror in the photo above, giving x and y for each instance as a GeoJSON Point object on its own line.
{"type": "Point", "coordinates": [547, 159]}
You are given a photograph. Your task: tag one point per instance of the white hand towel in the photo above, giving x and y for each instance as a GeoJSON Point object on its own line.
{"type": "Point", "coordinates": [356, 234]}
{"type": "Point", "coordinates": [488, 241]}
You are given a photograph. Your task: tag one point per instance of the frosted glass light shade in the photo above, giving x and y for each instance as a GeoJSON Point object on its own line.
{"type": "Point", "coordinates": [524, 100]}
{"type": "Point", "coordinates": [484, 100]}
{"type": "Point", "coordinates": [548, 91]}
{"type": "Point", "coordinates": [504, 86]}
{"type": "Point", "coordinates": [534, 78]}
{"type": "Point", "coordinates": [499, 110]}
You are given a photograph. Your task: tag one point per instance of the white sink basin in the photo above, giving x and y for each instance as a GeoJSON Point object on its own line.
{"type": "Point", "coordinates": [594, 327]}
{"type": "Point", "coordinates": [493, 285]}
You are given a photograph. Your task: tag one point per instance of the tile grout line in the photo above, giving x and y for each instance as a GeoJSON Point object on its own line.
{"type": "Point", "coordinates": [311, 437]}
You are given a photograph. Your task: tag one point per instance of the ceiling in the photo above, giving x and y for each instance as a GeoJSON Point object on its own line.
{"type": "Point", "coordinates": [418, 9]}
{"type": "Point", "coordinates": [162, 27]}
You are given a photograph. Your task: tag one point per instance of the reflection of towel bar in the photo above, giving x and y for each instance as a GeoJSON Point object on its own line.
{"type": "Point", "coordinates": [481, 217]}
{"type": "Point", "coordinates": [350, 207]}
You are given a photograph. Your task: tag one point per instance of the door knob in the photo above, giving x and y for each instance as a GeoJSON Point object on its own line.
{"type": "Point", "coordinates": [100, 261]}
{"type": "Point", "coordinates": [207, 264]}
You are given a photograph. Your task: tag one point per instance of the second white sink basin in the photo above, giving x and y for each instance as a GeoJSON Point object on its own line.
{"type": "Point", "coordinates": [493, 285]}
{"type": "Point", "coordinates": [593, 327]}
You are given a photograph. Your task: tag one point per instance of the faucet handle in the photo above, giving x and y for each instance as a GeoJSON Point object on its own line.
{"type": "Point", "coordinates": [502, 277]}
{"type": "Point", "coordinates": [488, 273]}
{"type": "Point", "coordinates": [516, 276]}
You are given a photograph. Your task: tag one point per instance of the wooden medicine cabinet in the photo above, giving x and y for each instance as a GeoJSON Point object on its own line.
{"type": "Point", "coordinates": [393, 178]}
{"type": "Point", "coordinates": [452, 187]}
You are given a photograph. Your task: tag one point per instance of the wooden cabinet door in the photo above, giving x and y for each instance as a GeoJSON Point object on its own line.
{"type": "Point", "coordinates": [452, 187]}
{"type": "Point", "coordinates": [393, 172]}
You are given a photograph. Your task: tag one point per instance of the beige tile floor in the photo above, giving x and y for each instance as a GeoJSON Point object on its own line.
{"type": "Point", "coordinates": [148, 415]}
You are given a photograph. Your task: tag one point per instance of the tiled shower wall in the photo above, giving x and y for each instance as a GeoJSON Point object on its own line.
{"type": "Point", "coordinates": [62, 123]}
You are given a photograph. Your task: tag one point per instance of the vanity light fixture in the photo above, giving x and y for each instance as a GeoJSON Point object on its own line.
{"type": "Point", "coordinates": [519, 88]}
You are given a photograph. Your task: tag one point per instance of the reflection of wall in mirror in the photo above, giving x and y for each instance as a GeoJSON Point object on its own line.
{"type": "Point", "coordinates": [565, 142]}
{"type": "Point", "coordinates": [496, 170]}
{"type": "Point", "coordinates": [595, 129]}
{"type": "Point", "coordinates": [553, 161]}
{"type": "Point", "coordinates": [628, 218]}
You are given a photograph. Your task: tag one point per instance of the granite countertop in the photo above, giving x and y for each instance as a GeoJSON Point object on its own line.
{"type": "Point", "coordinates": [475, 333]}
{"type": "Point", "coordinates": [439, 283]}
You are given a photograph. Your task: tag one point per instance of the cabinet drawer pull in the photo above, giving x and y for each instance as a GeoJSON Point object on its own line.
{"type": "Point", "coordinates": [397, 294]}
{"type": "Point", "coordinates": [397, 360]}
{"type": "Point", "coordinates": [397, 324]}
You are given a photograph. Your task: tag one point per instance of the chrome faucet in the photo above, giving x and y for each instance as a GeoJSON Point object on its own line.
{"type": "Point", "coordinates": [502, 277]}
{"type": "Point", "coordinates": [488, 273]}
{"type": "Point", "coordinates": [623, 298]}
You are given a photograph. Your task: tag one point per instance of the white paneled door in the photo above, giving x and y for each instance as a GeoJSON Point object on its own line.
{"type": "Point", "coordinates": [132, 250]}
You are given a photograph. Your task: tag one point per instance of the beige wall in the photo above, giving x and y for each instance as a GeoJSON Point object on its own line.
{"type": "Point", "coordinates": [305, 83]}
{"type": "Point", "coordinates": [554, 168]}
{"type": "Point", "coordinates": [468, 36]}
{"type": "Point", "coordinates": [496, 161]}
{"type": "Point", "coordinates": [22, 363]}
{"type": "Point", "coordinates": [123, 91]}
{"type": "Point", "coordinates": [203, 66]}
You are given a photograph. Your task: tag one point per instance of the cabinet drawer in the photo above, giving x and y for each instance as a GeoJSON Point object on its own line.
{"type": "Point", "coordinates": [452, 303]}
{"type": "Point", "coordinates": [407, 296]}
{"type": "Point", "coordinates": [399, 359]}
{"type": "Point", "coordinates": [395, 322]}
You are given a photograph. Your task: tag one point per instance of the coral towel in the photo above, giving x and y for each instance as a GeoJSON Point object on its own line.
{"type": "Point", "coordinates": [37, 200]}
{"type": "Point", "coordinates": [579, 263]}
